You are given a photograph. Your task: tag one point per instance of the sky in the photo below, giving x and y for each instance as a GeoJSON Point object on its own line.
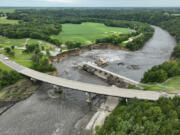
{"type": "Point", "coordinates": [89, 3]}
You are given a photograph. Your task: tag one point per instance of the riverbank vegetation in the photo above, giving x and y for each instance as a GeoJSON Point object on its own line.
{"type": "Point", "coordinates": [162, 72]}
{"type": "Point", "coordinates": [8, 78]}
{"type": "Point", "coordinates": [18, 91]}
{"type": "Point", "coordinates": [137, 117]}
{"type": "Point", "coordinates": [40, 62]}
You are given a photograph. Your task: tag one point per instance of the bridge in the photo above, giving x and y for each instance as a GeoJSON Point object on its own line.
{"type": "Point", "coordinates": [110, 77]}
{"type": "Point", "coordinates": [81, 86]}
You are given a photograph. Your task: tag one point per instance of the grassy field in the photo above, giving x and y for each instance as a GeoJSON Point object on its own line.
{"type": "Point", "coordinates": [4, 67]}
{"type": "Point", "coordinates": [175, 14]}
{"type": "Point", "coordinates": [6, 42]}
{"type": "Point", "coordinates": [170, 86]}
{"type": "Point", "coordinates": [3, 20]}
{"type": "Point", "coordinates": [87, 33]}
{"type": "Point", "coordinates": [7, 10]}
{"type": "Point", "coordinates": [20, 57]}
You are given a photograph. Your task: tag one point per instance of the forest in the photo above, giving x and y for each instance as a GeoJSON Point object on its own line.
{"type": "Point", "coordinates": [40, 61]}
{"type": "Point", "coordinates": [41, 24]}
{"type": "Point", "coordinates": [137, 117]}
{"type": "Point", "coordinates": [8, 78]}
{"type": "Point", "coordinates": [162, 72]}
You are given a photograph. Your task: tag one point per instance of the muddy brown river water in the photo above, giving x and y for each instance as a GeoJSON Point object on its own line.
{"type": "Point", "coordinates": [42, 115]}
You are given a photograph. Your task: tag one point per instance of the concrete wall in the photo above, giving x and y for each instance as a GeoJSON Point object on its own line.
{"type": "Point", "coordinates": [111, 79]}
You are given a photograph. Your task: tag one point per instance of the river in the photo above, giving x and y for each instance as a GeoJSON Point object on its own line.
{"type": "Point", "coordinates": [42, 115]}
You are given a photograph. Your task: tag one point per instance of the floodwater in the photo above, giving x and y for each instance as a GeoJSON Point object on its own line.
{"type": "Point", "coordinates": [42, 115]}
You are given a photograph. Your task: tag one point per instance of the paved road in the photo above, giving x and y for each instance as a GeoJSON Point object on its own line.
{"type": "Point", "coordinates": [86, 87]}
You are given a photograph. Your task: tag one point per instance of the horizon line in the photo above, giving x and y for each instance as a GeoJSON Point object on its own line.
{"type": "Point", "coordinates": [87, 7]}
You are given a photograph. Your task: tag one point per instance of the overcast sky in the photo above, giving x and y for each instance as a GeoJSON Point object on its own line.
{"type": "Point", "coordinates": [90, 3]}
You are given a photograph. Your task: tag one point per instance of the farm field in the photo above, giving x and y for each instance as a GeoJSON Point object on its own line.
{"type": "Point", "coordinates": [87, 33]}
{"type": "Point", "coordinates": [3, 20]}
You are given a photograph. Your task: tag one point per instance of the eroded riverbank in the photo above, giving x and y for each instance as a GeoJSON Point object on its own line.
{"type": "Point", "coordinates": [41, 114]}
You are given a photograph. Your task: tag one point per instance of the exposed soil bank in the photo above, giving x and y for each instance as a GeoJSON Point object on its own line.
{"type": "Point", "coordinates": [12, 94]}
{"type": "Point", "coordinates": [86, 48]}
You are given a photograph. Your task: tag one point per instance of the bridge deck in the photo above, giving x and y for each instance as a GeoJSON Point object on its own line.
{"type": "Point", "coordinates": [86, 87]}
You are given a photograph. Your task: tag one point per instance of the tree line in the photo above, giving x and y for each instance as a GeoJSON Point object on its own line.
{"type": "Point", "coordinates": [40, 62]}
{"type": "Point", "coordinates": [41, 24]}
{"type": "Point", "coordinates": [8, 77]}
{"type": "Point", "coordinates": [162, 72]}
{"type": "Point", "coordinates": [137, 117]}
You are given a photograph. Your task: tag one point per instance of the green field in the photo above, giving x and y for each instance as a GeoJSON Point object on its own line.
{"type": "Point", "coordinates": [171, 86]}
{"type": "Point", "coordinates": [87, 33]}
{"type": "Point", "coordinates": [20, 57]}
{"type": "Point", "coordinates": [175, 14]}
{"type": "Point", "coordinates": [3, 20]}
{"type": "Point", "coordinates": [6, 42]}
{"type": "Point", "coordinates": [4, 67]}
{"type": "Point", "coordinates": [7, 10]}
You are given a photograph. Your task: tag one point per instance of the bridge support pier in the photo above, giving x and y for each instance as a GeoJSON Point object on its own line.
{"type": "Point", "coordinates": [126, 100]}
{"type": "Point", "coordinates": [58, 89]}
{"type": "Point", "coordinates": [89, 99]}
{"type": "Point", "coordinates": [33, 80]}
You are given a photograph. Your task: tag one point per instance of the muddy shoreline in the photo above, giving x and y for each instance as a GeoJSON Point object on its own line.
{"type": "Point", "coordinates": [17, 92]}
{"type": "Point", "coordinates": [74, 52]}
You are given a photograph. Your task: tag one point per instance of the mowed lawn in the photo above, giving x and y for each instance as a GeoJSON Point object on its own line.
{"type": "Point", "coordinates": [6, 42]}
{"type": "Point", "coordinates": [20, 57]}
{"type": "Point", "coordinates": [3, 20]}
{"type": "Point", "coordinates": [87, 33]}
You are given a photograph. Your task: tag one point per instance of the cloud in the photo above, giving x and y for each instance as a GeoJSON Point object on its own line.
{"type": "Point", "coordinates": [61, 1]}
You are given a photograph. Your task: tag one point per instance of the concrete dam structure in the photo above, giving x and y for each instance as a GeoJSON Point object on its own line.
{"type": "Point", "coordinates": [110, 77]}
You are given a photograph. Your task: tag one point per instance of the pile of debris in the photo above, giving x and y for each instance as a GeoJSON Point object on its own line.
{"type": "Point", "coordinates": [101, 62]}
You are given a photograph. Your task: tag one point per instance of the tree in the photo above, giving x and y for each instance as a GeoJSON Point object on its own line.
{"type": "Point", "coordinates": [8, 50]}
{"type": "Point", "coordinates": [47, 52]}
{"type": "Point", "coordinates": [12, 53]}
{"type": "Point", "coordinates": [30, 48]}
{"type": "Point", "coordinates": [176, 52]}
{"type": "Point", "coordinates": [155, 76]}
{"type": "Point", "coordinates": [73, 45]}
{"type": "Point", "coordinates": [12, 47]}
